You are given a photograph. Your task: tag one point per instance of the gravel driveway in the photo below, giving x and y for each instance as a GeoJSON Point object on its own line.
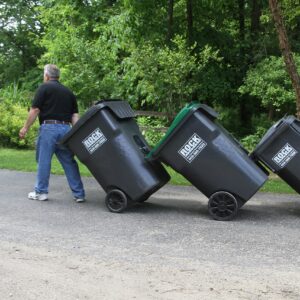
{"type": "Point", "coordinates": [166, 248]}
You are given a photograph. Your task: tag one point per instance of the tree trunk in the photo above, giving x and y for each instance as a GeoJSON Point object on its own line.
{"type": "Point", "coordinates": [189, 15]}
{"type": "Point", "coordinates": [170, 20]}
{"type": "Point", "coordinates": [244, 115]}
{"type": "Point", "coordinates": [111, 2]}
{"type": "Point", "coordinates": [242, 19]}
{"type": "Point", "coordinates": [271, 112]}
{"type": "Point", "coordinates": [255, 16]}
{"type": "Point", "coordinates": [286, 51]}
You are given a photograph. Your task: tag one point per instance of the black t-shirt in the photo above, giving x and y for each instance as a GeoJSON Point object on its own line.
{"type": "Point", "coordinates": [55, 102]}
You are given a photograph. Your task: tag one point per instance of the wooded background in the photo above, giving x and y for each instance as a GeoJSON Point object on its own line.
{"type": "Point", "coordinates": [156, 54]}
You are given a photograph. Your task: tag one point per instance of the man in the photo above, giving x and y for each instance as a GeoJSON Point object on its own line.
{"type": "Point", "coordinates": [57, 109]}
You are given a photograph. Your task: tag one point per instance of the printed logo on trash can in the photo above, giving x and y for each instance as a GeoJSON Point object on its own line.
{"type": "Point", "coordinates": [94, 140]}
{"type": "Point", "coordinates": [190, 150]}
{"type": "Point", "coordinates": [284, 155]}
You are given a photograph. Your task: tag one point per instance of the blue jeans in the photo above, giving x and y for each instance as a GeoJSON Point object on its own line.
{"type": "Point", "coordinates": [47, 145]}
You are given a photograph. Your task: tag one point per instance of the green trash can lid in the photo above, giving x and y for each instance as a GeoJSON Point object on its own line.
{"type": "Point", "coordinates": [184, 114]}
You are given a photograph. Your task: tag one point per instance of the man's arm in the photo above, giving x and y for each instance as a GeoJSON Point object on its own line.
{"type": "Point", "coordinates": [75, 118]}
{"type": "Point", "coordinates": [32, 115]}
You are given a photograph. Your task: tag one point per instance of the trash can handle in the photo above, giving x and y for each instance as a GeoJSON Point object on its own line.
{"type": "Point", "coordinates": [208, 111]}
{"type": "Point", "coordinates": [296, 125]}
{"type": "Point", "coordinates": [278, 123]}
{"type": "Point", "coordinates": [143, 147]}
{"type": "Point", "coordinates": [262, 167]}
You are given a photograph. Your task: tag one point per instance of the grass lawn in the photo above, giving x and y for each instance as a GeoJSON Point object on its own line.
{"type": "Point", "coordinates": [24, 160]}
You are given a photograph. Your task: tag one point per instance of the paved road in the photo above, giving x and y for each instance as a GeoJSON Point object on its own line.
{"type": "Point", "coordinates": [166, 248]}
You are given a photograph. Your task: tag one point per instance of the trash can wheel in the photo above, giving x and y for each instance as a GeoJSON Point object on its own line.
{"type": "Point", "coordinates": [116, 201]}
{"type": "Point", "coordinates": [222, 206]}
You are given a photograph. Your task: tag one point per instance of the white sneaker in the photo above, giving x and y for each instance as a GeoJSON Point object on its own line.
{"type": "Point", "coordinates": [36, 196]}
{"type": "Point", "coordinates": [79, 200]}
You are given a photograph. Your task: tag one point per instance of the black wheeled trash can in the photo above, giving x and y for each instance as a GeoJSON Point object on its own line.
{"type": "Point", "coordinates": [211, 159]}
{"type": "Point", "coordinates": [279, 150]}
{"type": "Point", "coordinates": [108, 141]}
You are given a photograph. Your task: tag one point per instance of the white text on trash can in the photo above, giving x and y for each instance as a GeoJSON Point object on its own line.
{"type": "Point", "coordinates": [284, 155]}
{"type": "Point", "coordinates": [94, 140]}
{"type": "Point", "coordinates": [190, 150]}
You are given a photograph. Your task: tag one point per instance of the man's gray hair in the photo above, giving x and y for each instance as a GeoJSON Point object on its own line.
{"type": "Point", "coordinates": [52, 71]}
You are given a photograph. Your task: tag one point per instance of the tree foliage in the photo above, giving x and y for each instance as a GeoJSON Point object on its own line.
{"type": "Point", "coordinates": [158, 55]}
{"type": "Point", "coordinates": [20, 29]}
{"type": "Point", "coordinates": [269, 82]}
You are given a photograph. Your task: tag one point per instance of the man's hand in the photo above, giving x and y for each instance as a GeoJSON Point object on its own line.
{"type": "Point", "coordinates": [23, 132]}
{"type": "Point", "coordinates": [75, 118]}
{"type": "Point", "coordinates": [33, 113]}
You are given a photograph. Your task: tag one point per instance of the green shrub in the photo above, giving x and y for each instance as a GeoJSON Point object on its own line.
{"type": "Point", "coordinates": [226, 117]}
{"type": "Point", "coordinates": [148, 125]}
{"type": "Point", "coordinates": [12, 119]}
{"type": "Point", "coordinates": [269, 82]}
{"type": "Point", "coordinates": [251, 141]}
{"type": "Point", "coordinates": [260, 124]}
{"type": "Point", "coordinates": [15, 95]}
{"type": "Point", "coordinates": [164, 78]}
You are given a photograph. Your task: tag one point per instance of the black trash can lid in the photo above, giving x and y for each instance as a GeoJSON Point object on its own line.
{"type": "Point", "coordinates": [121, 109]}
